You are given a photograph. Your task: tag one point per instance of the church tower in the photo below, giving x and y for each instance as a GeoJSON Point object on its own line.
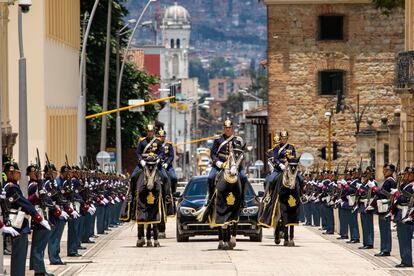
{"type": "Point", "coordinates": [176, 28]}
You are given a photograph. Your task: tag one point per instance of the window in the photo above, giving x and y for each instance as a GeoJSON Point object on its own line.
{"type": "Point", "coordinates": [331, 83]}
{"type": "Point", "coordinates": [331, 27]}
{"type": "Point", "coordinates": [178, 44]}
{"type": "Point", "coordinates": [172, 43]}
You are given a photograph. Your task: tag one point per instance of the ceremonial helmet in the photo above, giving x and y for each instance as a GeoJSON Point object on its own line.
{"type": "Point", "coordinates": [11, 166]}
{"type": "Point", "coordinates": [31, 168]}
{"type": "Point", "coordinates": [162, 133]}
{"type": "Point", "coordinates": [150, 127]}
{"type": "Point", "coordinates": [227, 123]}
{"type": "Point", "coordinates": [284, 134]}
{"type": "Point", "coordinates": [276, 139]}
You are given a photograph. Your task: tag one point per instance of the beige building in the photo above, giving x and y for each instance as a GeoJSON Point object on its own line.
{"type": "Point", "coordinates": [319, 50]}
{"type": "Point", "coordinates": [51, 44]}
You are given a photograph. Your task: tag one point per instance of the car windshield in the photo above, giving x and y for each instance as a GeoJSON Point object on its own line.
{"type": "Point", "coordinates": [197, 187]}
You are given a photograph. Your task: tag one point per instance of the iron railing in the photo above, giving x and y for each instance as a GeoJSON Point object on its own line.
{"type": "Point", "coordinates": [405, 69]}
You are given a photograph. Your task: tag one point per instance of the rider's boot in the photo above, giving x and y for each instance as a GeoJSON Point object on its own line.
{"type": "Point", "coordinates": [220, 245]}
{"type": "Point", "coordinates": [140, 242]}
{"type": "Point", "coordinates": [232, 242]}
{"type": "Point", "coordinates": [157, 243]}
{"type": "Point", "coordinates": [161, 235]}
{"type": "Point", "coordinates": [149, 243]}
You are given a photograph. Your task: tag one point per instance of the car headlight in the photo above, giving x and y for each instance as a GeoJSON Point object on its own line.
{"type": "Point", "coordinates": [250, 210]}
{"type": "Point", "coordinates": [187, 211]}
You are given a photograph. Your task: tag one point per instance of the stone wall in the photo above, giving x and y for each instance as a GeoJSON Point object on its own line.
{"type": "Point", "coordinates": [295, 55]}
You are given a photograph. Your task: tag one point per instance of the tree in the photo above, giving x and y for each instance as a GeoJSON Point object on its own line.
{"type": "Point", "coordinates": [135, 84]}
{"type": "Point", "coordinates": [197, 71]}
{"type": "Point", "coordinates": [387, 6]}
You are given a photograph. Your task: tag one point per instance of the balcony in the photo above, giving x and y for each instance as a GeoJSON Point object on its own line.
{"type": "Point", "coordinates": [405, 70]}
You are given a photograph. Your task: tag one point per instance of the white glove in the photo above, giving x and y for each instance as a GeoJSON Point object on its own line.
{"type": "Point", "coordinates": [105, 201]}
{"type": "Point", "coordinates": [3, 195]}
{"type": "Point", "coordinates": [165, 165]}
{"type": "Point", "coordinates": [219, 164]}
{"type": "Point", "coordinates": [10, 230]}
{"type": "Point", "coordinates": [93, 207]}
{"type": "Point", "coordinates": [142, 162]}
{"type": "Point", "coordinates": [233, 170]}
{"type": "Point", "coordinates": [75, 214]}
{"type": "Point", "coordinates": [45, 224]}
{"type": "Point", "coordinates": [64, 215]}
{"type": "Point", "coordinates": [371, 184]}
{"type": "Point", "coordinates": [282, 167]}
{"type": "Point", "coordinates": [117, 199]}
{"type": "Point", "coordinates": [91, 211]}
{"type": "Point", "coordinates": [358, 185]}
{"type": "Point", "coordinates": [393, 191]}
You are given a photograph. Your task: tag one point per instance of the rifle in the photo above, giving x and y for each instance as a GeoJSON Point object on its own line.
{"type": "Point", "coordinates": [40, 186]}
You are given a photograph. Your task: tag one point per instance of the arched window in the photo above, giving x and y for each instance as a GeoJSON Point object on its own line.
{"type": "Point", "coordinates": [172, 43]}
{"type": "Point", "coordinates": [178, 44]}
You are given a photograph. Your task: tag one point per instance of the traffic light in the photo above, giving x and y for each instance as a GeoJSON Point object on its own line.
{"type": "Point", "coordinates": [340, 101]}
{"type": "Point", "coordinates": [322, 153]}
{"type": "Point", "coordinates": [173, 92]}
{"type": "Point", "coordinates": [335, 146]}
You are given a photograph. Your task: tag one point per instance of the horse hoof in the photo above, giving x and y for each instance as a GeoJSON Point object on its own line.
{"type": "Point", "coordinates": [221, 245]}
{"type": "Point", "coordinates": [277, 241]}
{"type": "Point", "coordinates": [286, 243]}
{"type": "Point", "coordinates": [157, 244]}
{"type": "Point", "coordinates": [140, 242]}
{"type": "Point", "coordinates": [291, 243]}
{"type": "Point", "coordinates": [149, 243]}
{"type": "Point", "coordinates": [226, 246]}
{"type": "Point", "coordinates": [161, 235]}
{"type": "Point", "coordinates": [232, 242]}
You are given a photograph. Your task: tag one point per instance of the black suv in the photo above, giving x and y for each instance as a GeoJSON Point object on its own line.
{"type": "Point", "coordinates": [194, 197]}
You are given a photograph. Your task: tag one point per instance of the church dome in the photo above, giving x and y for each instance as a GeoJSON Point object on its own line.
{"type": "Point", "coordinates": [177, 15]}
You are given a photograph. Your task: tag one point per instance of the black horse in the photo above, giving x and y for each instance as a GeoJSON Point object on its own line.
{"type": "Point", "coordinates": [225, 201]}
{"type": "Point", "coordinates": [280, 205]}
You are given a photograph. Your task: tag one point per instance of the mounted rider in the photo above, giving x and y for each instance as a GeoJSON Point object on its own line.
{"type": "Point", "coordinates": [220, 152]}
{"type": "Point", "coordinates": [168, 158]}
{"type": "Point", "coordinates": [281, 153]}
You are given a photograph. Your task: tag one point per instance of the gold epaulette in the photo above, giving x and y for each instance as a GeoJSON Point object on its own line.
{"type": "Point", "coordinates": [142, 139]}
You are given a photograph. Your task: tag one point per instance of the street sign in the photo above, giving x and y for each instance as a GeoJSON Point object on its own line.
{"type": "Point", "coordinates": [306, 159]}
{"type": "Point", "coordinates": [103, 158]}
{"type": "Point", "coordinates": [135, 102]}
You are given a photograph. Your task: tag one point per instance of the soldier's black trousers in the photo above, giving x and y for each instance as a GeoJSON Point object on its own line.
{"type": "Point", "coordinates": [18, 256]}
{"type": "Point", "coordinates": [40, 237]}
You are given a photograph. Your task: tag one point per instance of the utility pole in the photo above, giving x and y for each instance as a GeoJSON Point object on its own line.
{"type": "Point", "coordinates": [185, 147]}
{"type": "Point", "coordinates": [106, 76]}
{"type": "Point", "coordinates": [23, 140]}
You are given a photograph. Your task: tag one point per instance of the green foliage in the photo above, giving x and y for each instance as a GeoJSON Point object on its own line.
{"type": "Point", "coordinates": [135, 84]}
{"type": "Point", "coordinates": [196, 70]}
{"type": "Point", "coordinates": [219, 67]}
{"type": "Point", "coordinates": [387, 6]}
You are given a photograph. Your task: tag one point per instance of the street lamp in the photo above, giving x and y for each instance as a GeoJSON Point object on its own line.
{"type": "Point", "coordinates": [328, 115]}
{"type": "Point", "coordinates": [118, 91]}
{"type": "Point", "coordinates": [81, 123]}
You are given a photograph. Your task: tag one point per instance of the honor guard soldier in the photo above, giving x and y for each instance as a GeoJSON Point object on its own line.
{"type": "Point", "coordinates": [220, 152]}
{"type": "Point", "coordinates": [280, 155]}
{"type": "Point", "coordinates": [367, 217]}
{"type": "Point", "coordinates": [404, 198]}
{"type": "Point", "coordinates": [51, 186]}
{"type": "Point", "coordinates": [168, 158]}
{"type": "Point", "coordinates": [146, 145]}
{"type": "Point", "coordinates": [39, 197]}
{"type": "Point", "coordinates": [19, 210]}
{"type": "Point", "coordinates": [384, 221]}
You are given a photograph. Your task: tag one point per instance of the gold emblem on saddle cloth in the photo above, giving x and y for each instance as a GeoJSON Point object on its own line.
{"type": "Point", "coordinates": [266, 200]}
{"type": "Point", "coordinates": [150, 198]}
{"type": "Point", "coordinates": [291, 201]}
{"type": "Point", "coordinates": [230, 199]}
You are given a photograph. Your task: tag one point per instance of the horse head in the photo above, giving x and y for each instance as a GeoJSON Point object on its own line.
{"type": "Point", "coordinates": [150, 170]}
{"type": "Point", "coordinates": [289, 176]}
{"type": "Point", "coordinates": [231, 166]}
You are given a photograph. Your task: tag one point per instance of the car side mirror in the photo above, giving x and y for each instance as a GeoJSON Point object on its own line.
{"type": "Point", "coordinates": [260, 194]}
{"type": "Point", "coordinates": [177, 194]}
